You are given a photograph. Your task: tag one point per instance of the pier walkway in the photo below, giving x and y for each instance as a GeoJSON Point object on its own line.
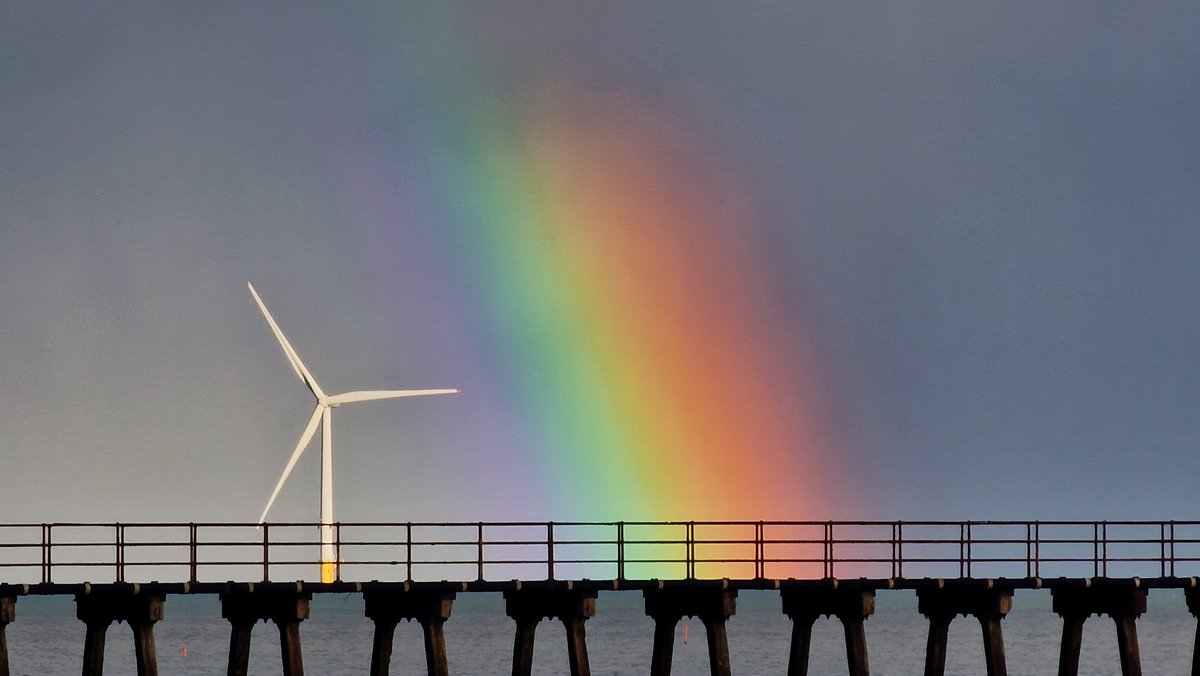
{"type": "Point", "coordinates": [556, 570]}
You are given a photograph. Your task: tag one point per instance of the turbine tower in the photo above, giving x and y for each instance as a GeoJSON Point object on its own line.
{"type": "Point", "coordinates": [323, 415]}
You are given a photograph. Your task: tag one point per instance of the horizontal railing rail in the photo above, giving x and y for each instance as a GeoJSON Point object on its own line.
{"type": "Point", "coordinates": [600, 550]}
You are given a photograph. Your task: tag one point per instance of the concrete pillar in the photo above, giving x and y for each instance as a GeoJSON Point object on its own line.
{"type": "Point", "coordinates": [850, 604]}
{"type": "Point", "coordinates": [980, 598]}
{"type": "Point", "coordinates": [99, 609]}
{"type": "Point", "coordinates": [664, 644]}
{"type": "Point", "coordinates": [714, 605]}
{"type": "Point", "coordinates": [802, 626]}
{"type": "Point", "coordinates": [527, 606]}
{"type": "Point", "coordinates": [1072, 638]}
{"type": "Point", "coordinates": [1123, 602]}
{"type": "Point", "coordinates": [239, 645]}
{"type": "Point", "coordinates": [436, 661]}
{"type": "Point", "coordinates": [387, 605]}
{"type": "Point", "coordinates": [577, 656]}
{"type": "Point", "coordinates": [8, 614]}
{"type": "Point", "coordinates": [289, 646]}
{"type": "Point", "coordinates": [1192, 595]}
{"type": "Point", "coordinates": [935, 644]}
{"type": "Point", "coordinates": [287, 608]}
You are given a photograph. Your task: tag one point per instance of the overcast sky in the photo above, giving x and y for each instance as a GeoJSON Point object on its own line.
{"type": "Point", "coordinates": [981, 217]}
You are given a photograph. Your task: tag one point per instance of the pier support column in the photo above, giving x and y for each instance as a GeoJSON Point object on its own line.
{"type": "Point", "coordinates": [387, 606]}
{"type": "Point", "coordinates": [851, 605]}
{"type": "Point", "coordinates": [981, 599]}
{"type": "Point", "coordinates": [713, 605]}
{"type": "Point", "coordinates": [527, 606]}
{"type": "Point", "coordinates": [243, 607]}
{"type": "Point", "coordinates": [99, 610]}
{"type": "Point", "coordinates": [1123, 603]}
{"type": "Point", "coordinates": [8, 614]}
{"type": "Point", "coordinates": [1192, 594]}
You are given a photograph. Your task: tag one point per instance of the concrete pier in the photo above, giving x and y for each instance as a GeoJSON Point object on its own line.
{"type": "Point", "coordinates": [429, 607]}
{"type": "Point", "coordinates": [245, 605]}
{"type": "Point", "coordinates": [940, 604]}
{"type": "Point", "coordinates": [850, 604]}
{"type": "Point", "coordinates": [574, 602]}
{"type": "Point", "coordinates": [714, 605]}
{"type": "Point", "coordinates": [528, 605]}
{"type": "Point", "coordinates": [1123, 602]}
{"type": "Point", "coordinates": [99, 609]}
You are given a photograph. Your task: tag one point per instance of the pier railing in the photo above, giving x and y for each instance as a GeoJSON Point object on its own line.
{"type": "Point", "coordinates": [615, 550]}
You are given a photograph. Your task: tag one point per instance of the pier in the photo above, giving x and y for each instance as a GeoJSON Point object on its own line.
{"type": "Point", "coordinates": [562, 571]}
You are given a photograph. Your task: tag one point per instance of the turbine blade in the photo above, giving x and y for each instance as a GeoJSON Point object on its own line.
{"type": "Point", "coordinates": [288, 350]}
{"type": "Point", "coordinates": [303, 444]}
{"type": "Point", "coordinates": [371, 395]}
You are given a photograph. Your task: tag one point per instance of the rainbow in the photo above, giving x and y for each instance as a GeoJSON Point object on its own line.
{"type": "Point", "coordinates": [620, 333]}
{"type": "Point", "coordinates": [625, 306]}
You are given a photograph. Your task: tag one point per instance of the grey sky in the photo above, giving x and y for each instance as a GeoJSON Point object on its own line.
{"type": "Point", "coordinates": [990, 207]}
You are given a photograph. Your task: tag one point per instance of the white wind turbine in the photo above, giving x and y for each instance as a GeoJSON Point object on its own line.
{"type": "Point", "coordinates": [323, 415]}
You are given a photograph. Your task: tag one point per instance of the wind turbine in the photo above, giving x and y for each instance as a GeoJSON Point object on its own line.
{"type": "Point", "coordinates": [323, 415]}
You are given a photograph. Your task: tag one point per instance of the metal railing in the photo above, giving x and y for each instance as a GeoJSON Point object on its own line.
{"type": "Point", "coordinates": [620, 550]}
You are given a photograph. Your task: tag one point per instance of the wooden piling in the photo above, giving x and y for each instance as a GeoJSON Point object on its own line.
{"type": "Point", "coordinates": [1123, 601]}
{"type": "Point", "coordinates": [386, 605]}
{"type": "Point", "coordinates": [528, 605]}
{"type": "Point", "coordinates": [983, 599]}
{"type": "Point", "coordinates": [850, 603]}
{"type": "Point", "coordinates": [714, 605]}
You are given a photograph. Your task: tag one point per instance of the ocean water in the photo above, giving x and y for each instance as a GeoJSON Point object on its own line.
{"type": "Point", "coordinates": [46, 639]}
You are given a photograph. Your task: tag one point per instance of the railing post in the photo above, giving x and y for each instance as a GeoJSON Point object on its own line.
{"type": "Point", "coordinates": [829, 549]}
{"type": "Point", "coordinates": [408, 562]}
{"type": "Point", "coordinates": [1095, 549]}
{"type": "Point", "coordinates": [970, 555]}
{"type": "Point", "coordinates": [1028, 549]}
{"type": "Point", "coordinates": [47, 552]}
{"type": "Point", "coordinates": [1104, 547]}
{"type": "Point", "coordinates": [193, 563]}
{"type": "Point", "coordinates": [1162, 549]}
{"type": "Point", "coordinates": [899, 549]}
{"type": "Point", "coordinates": [1037, 549]}
{"type": "Point", "coordinates": [962, 546]}
{"type": "Point", "coordinates": [1172, 531]}
{"type": "Point", "coordinates": [337, 551]}
{"type": "Point", "coordinates": [620, 550]}
{"type": "Point", "coordinates": [549, 550]}
{"type": "Point", "coordinates": [266, 555]}
{"type": "Point", "coordinates": [479, 543]}
{"type": "Point", "coordinates": [760, 553]}
{"type": "Point", "coordinates": [119, 532]}
{"type": "Point", "coordinates": [690, 550]}
{"type": "Point", "coordinates": [893, 543]}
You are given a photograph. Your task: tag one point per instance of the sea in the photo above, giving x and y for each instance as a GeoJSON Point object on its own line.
{"type": "Point", "coordinates": [46, 639]}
